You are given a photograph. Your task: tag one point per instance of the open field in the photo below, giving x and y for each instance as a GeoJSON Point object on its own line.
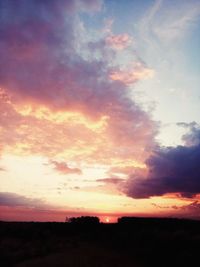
{"type": "Point", "coordinates": [137, 243]}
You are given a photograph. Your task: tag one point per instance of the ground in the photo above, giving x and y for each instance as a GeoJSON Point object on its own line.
{"type": "Point", "coordinates": [135, 243]}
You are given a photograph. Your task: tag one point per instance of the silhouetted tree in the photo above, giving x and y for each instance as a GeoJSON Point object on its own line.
{"type": "Point", "coordinates": [83, 220]}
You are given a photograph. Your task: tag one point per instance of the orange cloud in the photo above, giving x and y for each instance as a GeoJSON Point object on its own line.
{"type": "Point", "coordinates": [73, 136]}
{"type": "Point", "coordinates": [126, 169]}
{"type": "Point", "coordinates": [112, 180]}
{"type": "Point", "coordinates": [129, 77]}
{"type": "Point", "coordinates": [58, 101]}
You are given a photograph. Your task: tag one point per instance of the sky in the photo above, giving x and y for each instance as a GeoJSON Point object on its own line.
{"type": "Point", "coordinates": [99, 109]}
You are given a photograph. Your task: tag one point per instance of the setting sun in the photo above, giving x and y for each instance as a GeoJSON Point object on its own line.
{"type": "Point", "coordinates": [107, 220]}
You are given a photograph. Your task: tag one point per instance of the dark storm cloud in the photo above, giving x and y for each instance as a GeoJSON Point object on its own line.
{"type": "Point", "coordinates": [171, 170]}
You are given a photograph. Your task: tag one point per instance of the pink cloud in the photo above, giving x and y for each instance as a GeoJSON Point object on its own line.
{"type": "Point", "coordinates": [125, 169]}
{"type": "Point", "coordinates": [63, 168]}
{"type": "Point", "coordinates": [191, 210]}
{"type": "Point", "coordinates": [112, 180]}
{"type": "Point", "coordinates": [119, 42]}
{"type": "Point", "coordinates": [77, 137]}
{"type": "Point", "coordinates": [128, 77]}
{"type": "Point", "coordinates": [41, 67]}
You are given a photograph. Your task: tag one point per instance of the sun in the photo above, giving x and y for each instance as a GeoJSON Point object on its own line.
{"type": "Point", "coordinates": [107, 220]}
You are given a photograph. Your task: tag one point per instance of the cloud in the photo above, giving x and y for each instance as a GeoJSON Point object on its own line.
{"type": "Point", "coordinates": [16, 207]}
{"type": "Point", "coordinates": [63, 168]}
{"type": "Point", "coordinates": [170, 170]}
{"type": "Point", "coordinates": [113, 180]}
{"type": "Point", "coordinates": [192, 208]}
{"type": "Point", "coordinates": [192, 138]}
{"type": "Point", "coordinates": [128, 77]}
{"type": "Point", "coordinates": [38, 55]}
{"type": "Point", "coordinates": [118, 42]}
{"type": "Point", "coordinates": [58, 102]}
{"type": "Point", "coordinates": [16, 200]}
{"type": "Point", "coordinates": [164, 207]}
{"type": "Point", "coordinates": [74, 137]}
{"type": "Point", "coordinates": [176, 22]}
{"type": "Point", "coordinates": [134, 167]}
{"type": "Point", "coordinates": [165, 22]}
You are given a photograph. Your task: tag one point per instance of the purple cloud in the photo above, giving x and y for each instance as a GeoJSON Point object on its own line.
{"type": "Point", "coordinates": [15, 200]}
{"type": "Point", "coordinates": [171, 170]}
{"type": "Point", "coordinates": [194, 206]}
{"type": "Point", "coordinates": [37, 40]}
{"type": "Point", "coordinates": [192, 137]}
{"type": "Point", "coordinates": [42, 65]}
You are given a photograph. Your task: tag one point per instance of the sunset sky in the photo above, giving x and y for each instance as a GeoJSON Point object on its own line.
{"type": "Point", "coordinates": [99, 109]}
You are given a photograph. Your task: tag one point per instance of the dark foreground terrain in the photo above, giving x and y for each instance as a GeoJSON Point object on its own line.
{"type": "Point", "coordinates": [137, 243]}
